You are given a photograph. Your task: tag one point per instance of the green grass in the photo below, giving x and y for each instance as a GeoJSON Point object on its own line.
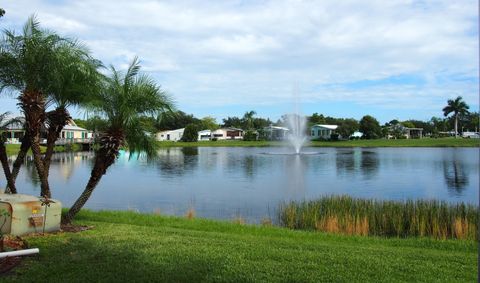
{"type": "Point", "coordinates": [131, 247]}
{"type": "Point", "coordinates": [12, 149]}
{"type": "Point", "coordinates": [426, 142]}
{"type": "Point", "coordinates": [347, 215]}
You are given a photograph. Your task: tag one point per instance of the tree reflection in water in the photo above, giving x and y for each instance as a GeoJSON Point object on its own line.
{"type": "Point", "coordinates": [455, 176]}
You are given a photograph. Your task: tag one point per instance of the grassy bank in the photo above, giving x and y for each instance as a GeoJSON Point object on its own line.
{"type": "Point", "coordinates": [12, 149]}
{"type": "Point", "coordinates": [426, 142]}
{"type": "Point", "coordinates": [133, 247]}
{"type": "Point", "coordinates": [347, 215]}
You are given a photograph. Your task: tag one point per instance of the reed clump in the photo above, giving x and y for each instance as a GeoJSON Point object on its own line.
{"type": "Point", "coordinates": [353, 216]}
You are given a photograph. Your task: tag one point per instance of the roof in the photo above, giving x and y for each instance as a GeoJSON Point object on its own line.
{"type": "Point", "coordinates": [172, 131]}
{"type": "Point", "coordinates": [231, 129]}
{"type": "Point", "coordinates": [73, 128]}
{"type": "Point", "coordinates": [277, 128]}
{"type": "Point", "coordinates": [330, 127]}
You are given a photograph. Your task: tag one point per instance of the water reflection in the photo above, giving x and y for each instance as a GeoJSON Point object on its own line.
{"type": "Point", "coordinates": [174, 162]}
{"type": "Point", "coordinates": [369, 164]}
{"type": "Point", "coordinates": [351, 162]}
{"type": "Point", "coordinates": [455, 175]}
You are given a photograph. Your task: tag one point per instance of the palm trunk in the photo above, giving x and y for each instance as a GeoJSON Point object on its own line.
{"type": "Point", "coordinates": [33, 106]}
{"type": "Point", "coordinates": [456, 125]}
{"type": "Point", "coordinates": [57, 120]}
{"type": "Point", "coordinates": [104, 158]}
{"type": "Point", "coordinates": [19, 160]}
{"type": "Point", "coordinates": [6, 169]}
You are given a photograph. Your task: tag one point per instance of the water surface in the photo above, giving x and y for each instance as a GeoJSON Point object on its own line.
{"type": "Point", "coordinates": [231, 182]}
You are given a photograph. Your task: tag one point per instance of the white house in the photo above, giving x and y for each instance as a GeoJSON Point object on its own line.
{"type": "Point", "coordinates": [228, 133]}
{"type": "Point", "coordinates": [170, 135]}
{"type": "Point", "coordinates": [204, 135]}
{"type": "Point", "coordinates": [276, 133]}
{"type": "Point", "coordinates": [322, 131]}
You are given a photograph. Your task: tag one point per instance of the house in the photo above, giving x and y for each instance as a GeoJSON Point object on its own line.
{"type": "Point", "coordinates": [170, 135]}
{"type": "Point", "coordinates": [15, 131]}
{"type": "Point", "coordinates": [228, 134]}
{"type": "Point", "coordinates": [71, 133]}
{"type": "Point", "coordinates": [413, 133]}
{"type": "Point", "coordinates": [204, 135]}
{"type": "Point", "coordinates": [322, 131]}
{"type": "Point", "coordinates": [276, 133]}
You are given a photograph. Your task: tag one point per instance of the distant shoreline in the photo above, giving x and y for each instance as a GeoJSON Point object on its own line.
{"type": "Point", "coordinates": [426, 142]}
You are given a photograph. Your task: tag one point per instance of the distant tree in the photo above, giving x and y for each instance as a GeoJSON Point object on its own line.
{"type": "Point", "coordinates": [408, 124]}
{"type": "Point", "coordinates": [234, 122]}
{"type": "Point", "coordinates": [347, 127]}
{"type": "Point", "coordinates": [370, 127]}
{"type": "Point", "coordinates": [426, 126]}
{"type": "Point", "coordinates": [190, 134]}
{"type": "Point", "coordinates": [208, 123]}
{"type": "Point", "coordinates": [260, 123]}
{"type": "Point", "coordinates": [248, 119]}
{"type": "Point", "coordinates": [2, 12]}
{"type": "Point", "coordinates": [316, 119]}
{"type": "Point", "coordinates": [458, 107]}
{"type": "Point", "coordinates": [175, 120]}
{"type": "Point", "coordinates": [470, 121]}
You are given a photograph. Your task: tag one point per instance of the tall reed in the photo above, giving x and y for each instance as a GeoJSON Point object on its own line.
{"type": "Point", "coordinates": [347, 215]}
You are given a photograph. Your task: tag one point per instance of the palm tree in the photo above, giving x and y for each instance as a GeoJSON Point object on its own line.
{"type": "Point", "coordinates": [5, 122]}
{"type": "Point", "coordinates": [457, 106]}
{"type": "Point", "coordinates": [126, 97]}
{"type": "Point", "coordinates": [27, 62]}
{"type": "Point", "coordinates": [248, 118]}
{"type": "Point", "coordinates": [76, 78]}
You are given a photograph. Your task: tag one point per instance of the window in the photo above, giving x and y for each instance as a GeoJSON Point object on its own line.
{"type": "Point", "coordinates": [313, 133]}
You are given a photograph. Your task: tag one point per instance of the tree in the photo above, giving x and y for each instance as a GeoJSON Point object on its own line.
{"type": "Point", "coordinates": [190, 134]}
{"type": "Point", "coordinates": [370, 127]}
{"type": "Point", "coordinates": [5, 122]}
{"type": "Point", "coordinates": [234, 122]}
{"type": "Point", "coordinates": [347, 127]}
{"type": "Point", "coordinates": [456, 106]}
{"type": "Point", "coordinates": [27, 64]}
{"type": "Point", "coordinates": [76, 78]}
{"type": "Point", "coordinates": [124, 99]}
{"type": "Point", "coordinates": [248, 119]}
{"type": "Point", "coordinates": [316, 119]}
{"type": "Point", "coordinates": [174, 120]}
{"type": "Point", "coordinates": [2, 12]}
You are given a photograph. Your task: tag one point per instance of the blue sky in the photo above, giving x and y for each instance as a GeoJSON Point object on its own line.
{"type": "Point", "coordinates": [396, 59]}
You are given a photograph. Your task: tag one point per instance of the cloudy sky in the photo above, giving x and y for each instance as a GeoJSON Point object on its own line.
{"type": "Point", "coordinates": [392, 59]}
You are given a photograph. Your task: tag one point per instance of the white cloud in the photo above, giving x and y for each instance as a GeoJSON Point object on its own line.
{"type": "Point", "coordinates": [213, 53]}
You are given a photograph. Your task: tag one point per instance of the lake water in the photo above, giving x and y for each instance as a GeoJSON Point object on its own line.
{"type": "Point", "coordinates": [226, 183]}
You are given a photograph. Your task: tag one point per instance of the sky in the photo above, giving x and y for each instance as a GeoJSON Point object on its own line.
{"type": "Point", "coordinates": [396, 59]}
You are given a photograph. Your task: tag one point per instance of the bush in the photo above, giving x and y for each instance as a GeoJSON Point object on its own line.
{"type": "Point", "coordinates": [190, 134]}
{"type": "Point", "coordinates": [250, 136]}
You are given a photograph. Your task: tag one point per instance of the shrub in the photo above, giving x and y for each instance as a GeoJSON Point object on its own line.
{"type": "Point", "coordinates": [190, 134]}
{"type": "Point", "coordinates": [250, 135]}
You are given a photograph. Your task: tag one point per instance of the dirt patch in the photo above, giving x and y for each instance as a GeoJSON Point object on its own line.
{"type": "Point", "coordinates": [12, 243]}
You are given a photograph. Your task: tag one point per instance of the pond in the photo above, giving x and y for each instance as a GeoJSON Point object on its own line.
{"type": "Point", "coordinates": [231, 182]}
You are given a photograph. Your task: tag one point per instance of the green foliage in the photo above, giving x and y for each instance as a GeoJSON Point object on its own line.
{"type": "Point", "coordinates": [190, 134]}
{"type": "Point", "coordinates": [347, 127]}
{"type": "Point", "coordinates": [408, 124]}
{"type": "Point", "coordinates": [208, 123]}
{"type": "Point", "coordinates": [370, 127]}
{"type": "Point", "coordinates": [250, 135]}
{"type": "Point", "coordinates": [344, 214]}
{"type": "Point", "coordinates": [175, 120]}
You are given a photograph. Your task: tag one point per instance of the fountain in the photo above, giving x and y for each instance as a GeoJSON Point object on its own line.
{"type": "Point", "coordinates": [297, 136]}
{"type": "Point", "coordinates": [297, 124]}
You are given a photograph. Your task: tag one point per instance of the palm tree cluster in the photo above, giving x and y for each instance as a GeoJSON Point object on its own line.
{"type": "Point", "coordinates": [51, 73]}
{"type": "Point", "coordinates": [458, 107]}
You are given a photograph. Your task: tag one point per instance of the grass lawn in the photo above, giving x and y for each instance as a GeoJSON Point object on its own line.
{"type": "Point", "coordinates": [12, 149]}
{"type": "Point", "coordinates": [426, 142]}
{"type": "Point", "coordinates": [128, 247]}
